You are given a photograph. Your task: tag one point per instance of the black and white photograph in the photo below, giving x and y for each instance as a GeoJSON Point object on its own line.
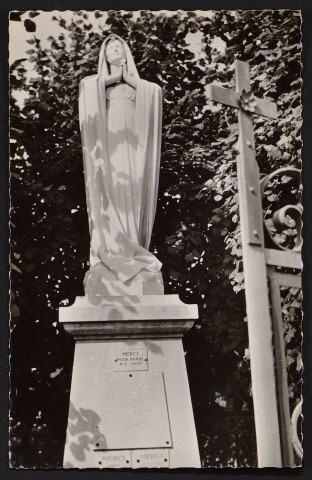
{"type": "Point", "coordinates": [155, 239]}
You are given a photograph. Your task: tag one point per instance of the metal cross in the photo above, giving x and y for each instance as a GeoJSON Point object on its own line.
{"type": "Point", "coordinates": [255, 270]}
{"type": "Point", "coordinates": [247, 103]}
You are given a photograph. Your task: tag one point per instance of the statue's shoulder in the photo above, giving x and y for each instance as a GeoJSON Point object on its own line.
{"type": "Point", "coordinates": [152, 85]}
{"type": "Point", "coordinates": [87, 79]}
{"type": "Point", "coordinates": [158, 93]}
{"type": "Point", "coordinates": [157, 87]}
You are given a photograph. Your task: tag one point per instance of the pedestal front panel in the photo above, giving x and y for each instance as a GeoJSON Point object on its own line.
{"type": "Point", "coordinates": [132, 411]}
{"type": "Point", "coordinates": [124, 417]}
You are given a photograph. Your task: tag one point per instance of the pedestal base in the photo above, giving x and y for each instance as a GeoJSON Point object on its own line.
{"type": "Point", "coordinates": [130, 403]}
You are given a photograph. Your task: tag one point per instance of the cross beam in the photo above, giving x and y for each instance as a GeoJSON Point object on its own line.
{"type": "Point", "coordinates": [255, 271]}
{"type": "Point", "coordinates": [231, 99]}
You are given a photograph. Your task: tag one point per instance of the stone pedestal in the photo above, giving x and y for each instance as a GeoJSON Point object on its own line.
{"type": "Point", "coordinates": [130, 403]}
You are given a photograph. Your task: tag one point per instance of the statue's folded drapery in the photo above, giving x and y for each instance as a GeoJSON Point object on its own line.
{"type": "Point", "coordinates": [121, 138]}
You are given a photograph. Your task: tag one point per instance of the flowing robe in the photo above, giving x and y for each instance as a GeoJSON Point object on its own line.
{"type": "Point", "coordinates": [121, 167]}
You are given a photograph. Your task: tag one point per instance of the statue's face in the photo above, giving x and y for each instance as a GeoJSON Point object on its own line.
{"type": "Point", "coordinates": [115, 52]}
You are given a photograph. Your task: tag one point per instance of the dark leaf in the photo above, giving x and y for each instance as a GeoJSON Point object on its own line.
{"type": "Point", "coordinates": [30, 25]}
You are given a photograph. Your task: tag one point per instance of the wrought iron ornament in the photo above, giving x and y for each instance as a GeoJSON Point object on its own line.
{"type": "Point", "coordinates": [287, 217]}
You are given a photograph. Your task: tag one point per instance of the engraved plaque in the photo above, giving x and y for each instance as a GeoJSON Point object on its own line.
{"type": "Point", "coordinates": [151, 458]}
{"type": "Point", "coordinates": [132, 412]}
{"type": "Point", "coordinates": [129, 360]}
{"type": "Point", "coordinates": [114, 459]}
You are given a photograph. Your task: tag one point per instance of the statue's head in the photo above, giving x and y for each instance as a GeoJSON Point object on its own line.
{"type": "Point", "coordinates": [114, 51]}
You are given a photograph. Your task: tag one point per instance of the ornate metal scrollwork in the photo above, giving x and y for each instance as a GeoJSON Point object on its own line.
{"type": "Point", "coordinates": [294, 428]}
{"type": "Point", "coordinates": [288, 217]}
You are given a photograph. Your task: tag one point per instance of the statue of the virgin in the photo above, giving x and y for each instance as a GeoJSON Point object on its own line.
{"type": "Point", "coordinates": [120, 122]}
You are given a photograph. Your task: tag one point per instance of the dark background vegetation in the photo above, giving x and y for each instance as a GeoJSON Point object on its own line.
{"type": "Point", "coordinates": [196, 233]}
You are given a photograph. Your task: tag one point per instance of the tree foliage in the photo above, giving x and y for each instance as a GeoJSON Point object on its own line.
{"type": "Point", "coordinates": [196, 233]}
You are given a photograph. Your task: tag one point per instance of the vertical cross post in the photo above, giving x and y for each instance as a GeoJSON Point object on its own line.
{"type": "Point", "coordinates": [255, 274]}
{"type": "Point", "coordinates": [256, 287]}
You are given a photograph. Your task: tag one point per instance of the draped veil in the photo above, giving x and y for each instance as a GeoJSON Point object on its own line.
{"type": "Point", "coordinates": [113, 252]}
